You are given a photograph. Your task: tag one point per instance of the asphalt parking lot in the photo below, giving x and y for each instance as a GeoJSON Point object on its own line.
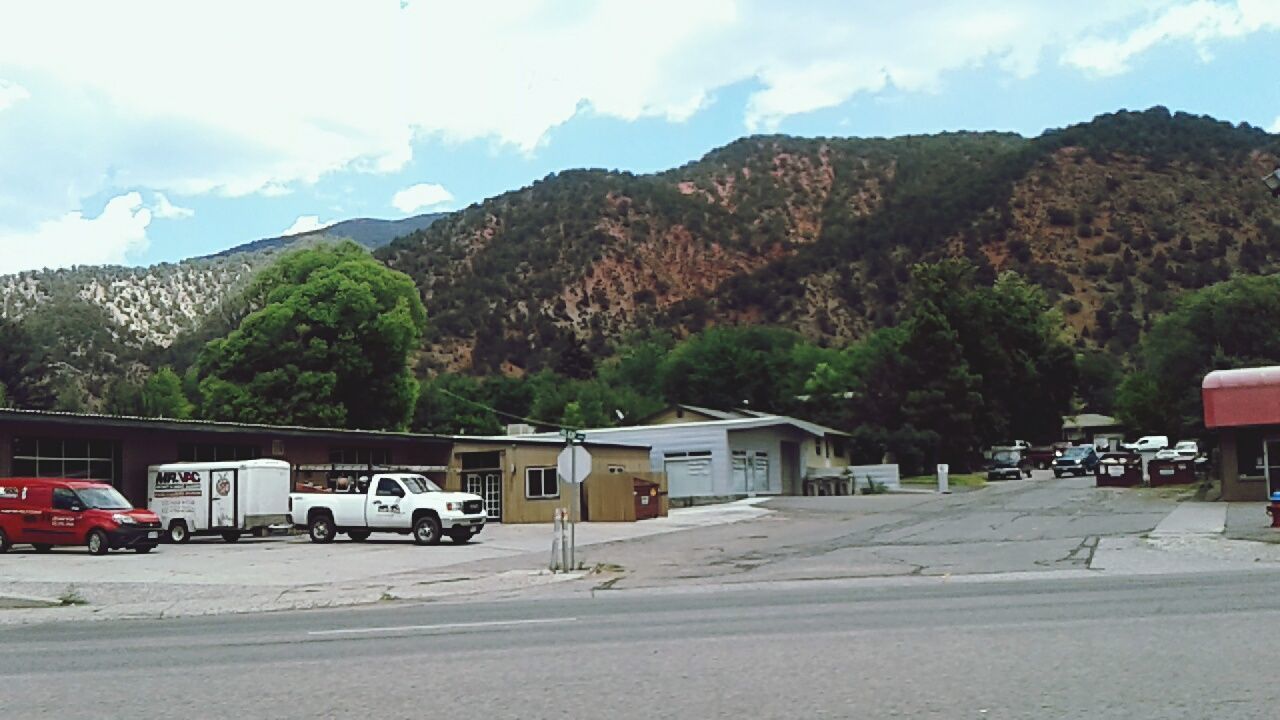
{"type": "Point", "coordinates": [207, 575]}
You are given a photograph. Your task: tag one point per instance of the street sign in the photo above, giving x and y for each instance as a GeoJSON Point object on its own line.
{"type": "Point", "coordinates": [573, 436]}
{"type": "Point", "coordinates": [574, 464]}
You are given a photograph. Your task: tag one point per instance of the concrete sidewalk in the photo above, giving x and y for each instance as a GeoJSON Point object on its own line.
{"type": "Point", "coordinates": [1193, 518]}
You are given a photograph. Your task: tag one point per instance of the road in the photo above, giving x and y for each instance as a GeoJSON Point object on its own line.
{"type": "Point", "coordinates": [1057, 646]}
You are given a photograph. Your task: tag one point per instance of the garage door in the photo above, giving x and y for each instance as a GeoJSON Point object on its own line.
{"type": "Point", "coordinates": [688, 474]}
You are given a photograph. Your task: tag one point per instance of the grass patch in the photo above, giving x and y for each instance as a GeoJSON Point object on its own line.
{"type": "Point", "coordinates": [972, 480]}
{"type": "Point", "coordinates": [71, 597]}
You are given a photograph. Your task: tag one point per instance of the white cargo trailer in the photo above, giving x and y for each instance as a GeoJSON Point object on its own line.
{"type": "Point", "coordinates": [226, 498]}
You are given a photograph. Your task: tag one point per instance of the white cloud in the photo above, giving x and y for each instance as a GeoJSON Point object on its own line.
{"type": "Point", "coordinates": [168, 211]}
{"type": "Point", "coordinates": [11, 93]}
{"type": "Point", "coordinates": [1200, 22]}
{"type": "Point", "coordinates": [422, 195]}
{"type": "Point", "coordinates": [305, 224]}
{"type": "Point", "coordinates": [109, 238]}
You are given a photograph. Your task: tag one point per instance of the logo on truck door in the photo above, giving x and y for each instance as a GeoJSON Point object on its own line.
{"type": "Point", "coordinates": [224, 486]}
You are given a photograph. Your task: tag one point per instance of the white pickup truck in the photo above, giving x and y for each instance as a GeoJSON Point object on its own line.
{"type": "Point", "coordinates": [388, 502]}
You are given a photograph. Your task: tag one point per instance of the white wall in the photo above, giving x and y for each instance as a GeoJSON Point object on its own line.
{"type": "Point", "coordinates": [664, 439]}
{"type": "Point", "coordinates": [769, 440]}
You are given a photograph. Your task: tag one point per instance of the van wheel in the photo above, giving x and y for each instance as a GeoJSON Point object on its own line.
{"type": "Point", "coordinates": [231, 535]}
{"type": "Point", "coordinates": [4, 542]}
{"type": "Point", "coordinates": [321, 529]}
{"type": "Point", "coordinates": [178, 532]}
{"type": "Point", "coordinates": [426, 531]}
{"type": "Point", "coordinates": [97, 543]}
{"type": "Point", "coordinates": [358, 535]}
{"type": "Point", "coordinates": [460, 536]}
{"type": "Point", "coordinates": [42, 547]}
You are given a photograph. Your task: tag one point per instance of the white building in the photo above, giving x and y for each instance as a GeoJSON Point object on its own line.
{"type": "Point", "coordinates": [759, 454]}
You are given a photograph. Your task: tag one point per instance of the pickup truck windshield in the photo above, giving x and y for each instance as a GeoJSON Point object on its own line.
{"type": "Point", "coordinates": [417, 485]}
{"type": "Point", "coordinates": [103, 499]}
{"type": "Point", "coordinates": [1076, 452]}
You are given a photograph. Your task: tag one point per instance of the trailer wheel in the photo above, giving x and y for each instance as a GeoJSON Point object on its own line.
{"type": "Point", "coordinates": [231, 535]}
{"type": "Point", "coordinates": [358, 535]}
{"type": "Point", "coordinates": [42, 547]}
{"type": "Point", "coordinates": [4, 542]}
{"type": "Point", "coordinates": [97, 543]}
{"type": "Point", "coordinates": [178, 532]}
{"type": "Point", "coordinates": [321, 529]}
{"type": "Point", "coordinates": [426, 530]}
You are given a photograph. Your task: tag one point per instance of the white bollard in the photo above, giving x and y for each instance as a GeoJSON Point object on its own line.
{"type": "Point", "coordinates": [944, 485]}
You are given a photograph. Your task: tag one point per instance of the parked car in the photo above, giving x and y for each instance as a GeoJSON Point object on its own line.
{"type": "Point", "coordinates": [1148, 443]}
{"type": "Point", "coordinates": [1077, 460]}
{"type": "Point", "coordinates": [1183, 450]}
{"type": "Point", "coordinates": [1008, 464]}
{"type": "Point", "coordinates": [388, 502]}
{"type": "Point", "coordinates": [45, 512]}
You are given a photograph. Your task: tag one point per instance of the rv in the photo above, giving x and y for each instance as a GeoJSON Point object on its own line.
{"type": "Point", "coordinates": [219, 498]}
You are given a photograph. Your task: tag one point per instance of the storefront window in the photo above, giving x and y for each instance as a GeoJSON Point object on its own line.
{"type": "Point", "coordinates": [1249, 459]}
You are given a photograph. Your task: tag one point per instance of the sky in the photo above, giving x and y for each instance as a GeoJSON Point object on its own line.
{"type": "Point", "coordinates": [142, 131]}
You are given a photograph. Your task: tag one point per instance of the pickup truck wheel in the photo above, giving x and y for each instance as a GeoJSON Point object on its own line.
{"type": "Point", "coordinates": [231, 536]}
{"type": "Point", "coordinates": [358, 535]}
{"type": "Point", "coordinates": [178, 532]}
{"type": "Point", "coordinates": [97, 543]}
{"type": "Point", "coordinates": [426, 531]}
{"type": "Point", "coordinates": [321, 529]}
{"type": "Point", "coordinates": [460, 535]}
{"type": "Point", "coordinates": [42, 547]}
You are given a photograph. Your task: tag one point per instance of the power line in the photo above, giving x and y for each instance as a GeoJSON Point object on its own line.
{"type": "Point", "coordinates": [496, 411]}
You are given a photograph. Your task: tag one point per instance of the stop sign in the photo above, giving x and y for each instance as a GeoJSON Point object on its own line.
{"type": "Point", "coordinates": [574, 464]}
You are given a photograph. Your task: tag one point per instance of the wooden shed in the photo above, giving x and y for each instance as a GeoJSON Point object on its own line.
{"type": "Point", "coordinates": [517, 478]}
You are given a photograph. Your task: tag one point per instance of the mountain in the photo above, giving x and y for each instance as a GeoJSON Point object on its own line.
{"type": "Point", "coordinates": [369, 232]}
{"type": "Point", "coordinates": [1113, 217]}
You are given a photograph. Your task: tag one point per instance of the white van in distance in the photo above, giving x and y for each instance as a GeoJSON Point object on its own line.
{"type": "Point", "coordinates": [226, 498]}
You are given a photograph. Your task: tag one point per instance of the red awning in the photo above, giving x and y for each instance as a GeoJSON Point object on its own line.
{"type": "Point", "coordinates": [1235, 398]}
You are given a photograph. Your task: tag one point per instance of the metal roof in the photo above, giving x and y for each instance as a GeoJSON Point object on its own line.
{"type": "Point", "coordinates": [1088, 420]}
{"type": "Point", "coordinates": [130, 421]}
{"type": "Point", "coordinates": [541, 439]}
{"type": "Point", "coordinates": [746, 423]}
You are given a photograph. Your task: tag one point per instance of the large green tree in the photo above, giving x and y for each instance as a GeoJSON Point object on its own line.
{"type": "Point", "coordinates": [455, 404]}
{"type": "Point", "coordinates": [162, 396]}
{"type": "Point", "coordinates": [330, 345]}
{"type": "Point", "coordinates": [761, 368]}
{"type": "Point", "coordinates": [1227, 325]}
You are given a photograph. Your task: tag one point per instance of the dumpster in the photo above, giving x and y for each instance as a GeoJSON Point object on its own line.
{"type": "Point", "coordinates": [1123, 469]}
{"type": "Point", "coordinates": [1171, 472]}
{"type": "Point", "coordinates": [647, 503]}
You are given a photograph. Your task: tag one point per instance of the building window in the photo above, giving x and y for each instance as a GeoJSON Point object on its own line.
{"type": "Point", "coordinates": [74, 459]}
{"type": "Point", "coordinates": [359, 456]}
{"type": "Point", "coordinates": [616, 469]}
{"type": "Point", "coordinates": [208, 452]}
{"type": "Point", "coordinates": [540, 483]}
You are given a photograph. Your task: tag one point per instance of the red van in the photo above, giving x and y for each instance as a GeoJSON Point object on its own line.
{"type": "Point", "coordinates": [45, 512]}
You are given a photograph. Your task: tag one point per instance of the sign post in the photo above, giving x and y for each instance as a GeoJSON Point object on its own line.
{"type": "Point", "coordinates": [943, 479]}
{"type": "Point", "coordinates": [573, 466]}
